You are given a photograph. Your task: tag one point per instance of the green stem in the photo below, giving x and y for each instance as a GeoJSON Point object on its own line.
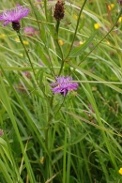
{"type": "Point", "coordinates": [57, 26]}
{"type": "Point", "coordinates": [76, 29]}
{"type": "Point", "coordinates": [59, 48]}
{"type": "Point", "coordinates": [61, 68]}
{"type": "Point", "coordinates": [64, 179]}
{"type": "Point", "coordinates": [19, 35]}
{"type": "Point", "coordinates": [63, 60]}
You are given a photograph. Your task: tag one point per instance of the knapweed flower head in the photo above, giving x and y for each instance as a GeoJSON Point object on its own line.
{"type": "Point", "coordinates": [63, 85]}
{"type": "Point", "coordinates": [14, 16]}
{"type": "Point", "coordinates": [30, 31]}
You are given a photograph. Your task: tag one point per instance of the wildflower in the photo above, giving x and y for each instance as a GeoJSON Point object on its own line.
{"type": "Point", "coordinates": [21, 55]}
{"type": "Point", "coordinates": [120, 171]}
{"type": "Point", "coordinates": [14, 16]}
{"type": "Point", "coordinates": [61, 42]}
{"type": "Point", "coordinates": [59, 10]}
{"type": "Point", "coordinates": [120, 19]}
{"type": "Point", "coordinates": [81, 42]}
{"type": "Point", "coordinates": [78, 43]}
{"type": "Point", "coordinates": [97, 26]}
{"type": "Point", "coordinates": [24, 41]}
{"type": "Point", "coordinates": [17, 40]}
{"type": "Point", "coordinates": [108, 42]}
{"type": "Point", "coordinates": [111, 6]}
{"type": "Point", "coordinates": [2, 36]}
{"type": "Point", "coordinates": [30, 31]}
{"type": "Point", "coordinates": [75, 17]}
{"type": "Point", "coordinates": [63, 85]}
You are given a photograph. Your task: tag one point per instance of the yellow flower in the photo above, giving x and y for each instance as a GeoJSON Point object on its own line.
{"type": "Point", "coordinates": [81, 42]}
{"type": "Point", "coordinates": [60, 42]}
{"type": "Point", "coordinates": [75, 17]}
{"type": "Point", "coordinates": [97, 25]}
{"type": "Point", "coordinates": [120, 19]}
{"type": "Point", "coordinates": [120, 171]}
{"type": "Point", "coordinates": [2, 36]}
{"type": "Point", "coordinates": [21, 55]}
{"type": "Point", "coordinates": [110, 6]}
{"type": "Point", "coordinates": [25, 42]}
{"type": "Point", "coordinates": [108, 42]}
{"type": "Point", "coordinates": [17, 40]}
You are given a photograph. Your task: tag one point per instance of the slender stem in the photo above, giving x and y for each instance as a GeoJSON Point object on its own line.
{"type": "Point", "coordinates": [57, 26]}
{"type": "Point", "coordinates": [61, 68]}
{"type": "Point", "coordinates": [59, 48]}
{"type": "Point", "coordinates": [103, 37]}
{"type": "Point", "coordinates": [19, 35]}
{"type": "Point", "coordinates": [63, 60]}
{"type": "Point", "coordinates": [76, 29]}
{"type": "Point", "coordinates": [64, 179]}
{"type": "Point", "coordinates": [60, 106]}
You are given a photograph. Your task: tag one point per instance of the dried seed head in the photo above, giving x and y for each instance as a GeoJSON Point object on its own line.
{"type": "Point", "coordinates": [59, 10]}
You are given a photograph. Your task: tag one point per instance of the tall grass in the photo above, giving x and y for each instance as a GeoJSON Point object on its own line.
{"type": "Point", "coordinates": [51, 138]}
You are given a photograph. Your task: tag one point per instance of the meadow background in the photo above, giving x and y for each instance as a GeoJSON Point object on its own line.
{"type": "Point", "coordinates": [51, 138]}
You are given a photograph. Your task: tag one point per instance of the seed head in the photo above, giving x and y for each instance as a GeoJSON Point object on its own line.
{"type": "Point", "coordinates": [59, 10]}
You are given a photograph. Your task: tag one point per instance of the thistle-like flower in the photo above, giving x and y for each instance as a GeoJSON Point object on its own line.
{"type": "Point", "coordinates": [14, 16]}
{"type": "Point", "coordinates": [63, 85]}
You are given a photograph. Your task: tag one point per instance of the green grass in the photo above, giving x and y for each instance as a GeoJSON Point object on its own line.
{"type": "Point", "coordinates": [49, 138]}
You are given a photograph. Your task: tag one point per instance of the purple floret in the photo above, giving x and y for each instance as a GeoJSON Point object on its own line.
{"type": "Point", "coordinates": [63, 85]}
{"type": "Point", "coordinates": [14, 15]}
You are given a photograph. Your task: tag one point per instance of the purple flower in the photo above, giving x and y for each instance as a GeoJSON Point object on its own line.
{"type": "Point", "coordinates": [14, 16]}
{"type": "Point", "coordinates": [63, 85]}
{"type": "Point", "coordinates": [30, 31]}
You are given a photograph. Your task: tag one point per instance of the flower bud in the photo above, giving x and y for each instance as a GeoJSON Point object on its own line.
{"type": "Point", "coordinates": [16, 26]}
{"type": "Point", "coordinates": [59, 10]}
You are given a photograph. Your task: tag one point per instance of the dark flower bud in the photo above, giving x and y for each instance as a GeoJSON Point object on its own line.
{"type": "Point", "coordinates": [59, 10]}
{"type": "Point", "coordinates": [16, 26]}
